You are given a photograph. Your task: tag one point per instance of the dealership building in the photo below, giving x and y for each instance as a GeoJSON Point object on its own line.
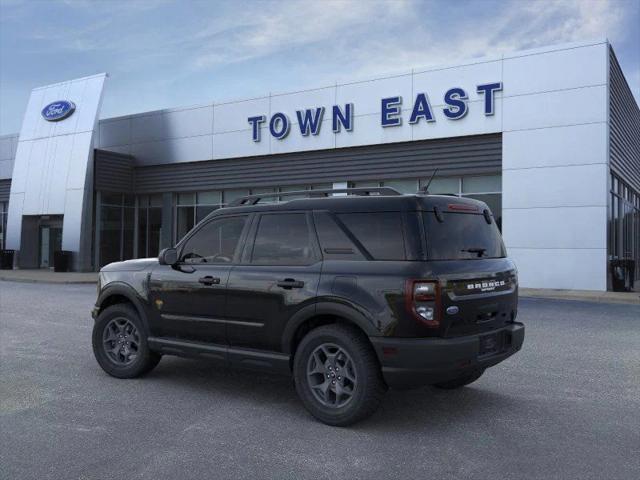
{"type": "Point", "coordinates": [548, 138]}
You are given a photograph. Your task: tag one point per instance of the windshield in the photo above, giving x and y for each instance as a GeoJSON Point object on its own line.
{"type": "Point", "coordinates": [462, 236]}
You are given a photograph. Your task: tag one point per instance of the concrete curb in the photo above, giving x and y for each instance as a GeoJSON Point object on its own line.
{"type": "Point", "coordinates": [52, 282]}
{"type": "Point", "coordinates": [628, 298]}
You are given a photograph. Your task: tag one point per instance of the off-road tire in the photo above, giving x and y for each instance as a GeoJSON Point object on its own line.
{"type": "Point", "coordinates": [367, 392]}
{"type": "Point", "coordinates": [145, 360]}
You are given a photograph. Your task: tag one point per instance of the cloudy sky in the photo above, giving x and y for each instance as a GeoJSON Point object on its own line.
{"type": "Point", "coordinates": [164, 54]}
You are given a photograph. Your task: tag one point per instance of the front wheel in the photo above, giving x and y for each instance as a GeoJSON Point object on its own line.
{"type": "Point", "coordinates": [337, 375]}
{"type": "Point", "coordinates": [120, 343]}
{"type": "Point", "coordinates": [460, 381]}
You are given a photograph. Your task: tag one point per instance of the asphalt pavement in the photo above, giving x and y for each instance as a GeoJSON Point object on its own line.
{"type": "Point", "coordinates": [566, 407]}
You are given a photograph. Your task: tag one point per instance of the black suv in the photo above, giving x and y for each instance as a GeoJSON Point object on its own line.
{"type": "Point", "coordinates": [350, 291]}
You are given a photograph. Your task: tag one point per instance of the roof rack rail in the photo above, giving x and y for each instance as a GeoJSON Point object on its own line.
{"type": "Point", "coordinates": [253, 199]}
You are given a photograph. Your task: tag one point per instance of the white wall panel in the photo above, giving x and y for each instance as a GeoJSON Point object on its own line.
{"type": "Point", "coordinates": [187, 149]}
{"type": "Point", "coordinates": [366, 96]}
{"type": "Point", "coordinates": [574, 269]}
{"type": "Point", "coordinates": [77, 172]}
{"type": "Point", "coordinates": [32, 115]}
{"type": "Point", "coordinates": [6, 169]}
{"type": "Point", "coordinates": [295, 142]}
{"type": "Point", "coordinates": [14, 219]}
{"type": "Point", "coordinates": [559, 227]}
{"type": "Point", "coordinates": [579, 185]}
{"type": "Point", "coordinates": [555, 109]}
{"type": "Point", "coordinates": [475, 122]}
{"type": "Point", "coordinates": [60, 172]}
{"type": "Point", "coordinates": [546, 147]}
{"type": "Point", "coordinates": [115, 132]}
{"type": "Point", "coordinates": [147, 128]}
{"type": "Point", "coordinates": [231, 117]}
{"type": "Point", "coordinates": [190, 122]}
{"type": "Point", "coordinates": [435, 83]}
{"type": "Point", "coordinates": [291, 102]}
{"type": "Point", "coordinates": [234, 144]}
{"type": "Point", "coordinates": [562, 69]}
{"type": "Point", "coordinates": [72, 221]}
{"type": "Point", "coordinates": [35, 179]}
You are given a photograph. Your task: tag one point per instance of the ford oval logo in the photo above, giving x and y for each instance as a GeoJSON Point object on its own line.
{"type": "Point", "coordinates": [56, 111]}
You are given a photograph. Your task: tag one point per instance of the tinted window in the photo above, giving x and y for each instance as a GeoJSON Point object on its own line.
{"type": "Point", "coordinates": [379, 233]}
{"type": "Point", "coordinates": [283, 239]}
{"type": "Point", "coordinates": [334, 242]}
{"type": "Point", "coordinates": [462, 236]}
{"type": "Point", "coordinates": [215, 242]}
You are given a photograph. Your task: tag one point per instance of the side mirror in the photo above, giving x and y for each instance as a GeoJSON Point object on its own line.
{"type": "Point", "coordinates": [168, 256]}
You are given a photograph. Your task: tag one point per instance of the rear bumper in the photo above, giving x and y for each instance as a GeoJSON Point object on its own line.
{"type": "Point", "coordinates": [414, 362]}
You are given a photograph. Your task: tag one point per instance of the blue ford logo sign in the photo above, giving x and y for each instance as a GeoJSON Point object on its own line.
{"type": "Point", "coordinates": [56, 111]}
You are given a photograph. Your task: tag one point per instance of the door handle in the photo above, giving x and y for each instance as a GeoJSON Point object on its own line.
{"type": "Point", "coordinates": [289, 283]}
{"type": "Point", "coordinates": [209, 280]}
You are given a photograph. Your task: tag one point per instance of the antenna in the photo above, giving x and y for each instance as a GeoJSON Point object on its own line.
{"type": "Point", "coordinates": [425, 189]}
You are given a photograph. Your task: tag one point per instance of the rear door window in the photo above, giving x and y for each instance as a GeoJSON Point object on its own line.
{"type": "Point", "coordinates": [283, 239]}
{"type": "Point", "coordinates": [462, 236]}
{"type": "Point", "coordinates": [380, 233]}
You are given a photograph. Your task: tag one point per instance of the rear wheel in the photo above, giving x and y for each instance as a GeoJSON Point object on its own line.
{"type": "Point", "coordinates": [337, 375]}
{"type": "Point", "coordinates": [120, 343]}
{"type": "Point", "coordinates": [460, 381]}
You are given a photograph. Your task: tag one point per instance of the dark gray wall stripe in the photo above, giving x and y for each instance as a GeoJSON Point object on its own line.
{"type": "Point", "coordinates": [5, 190]}
{"type": "Point", "coordinates": [624, 126]}
{"type": "Point", "coordinates": [479, 154]}
{"type": "Point", "coordinates": [113, 172]}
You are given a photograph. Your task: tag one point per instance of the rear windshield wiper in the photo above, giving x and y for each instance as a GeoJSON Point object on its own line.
{"type": "Point", "coordinates": [479, 251]}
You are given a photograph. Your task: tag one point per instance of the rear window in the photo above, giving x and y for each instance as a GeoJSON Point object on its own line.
{"type": "Point", "coordinates": [462, 236]}
{"type": "Point", "coordinates": [379, 233]}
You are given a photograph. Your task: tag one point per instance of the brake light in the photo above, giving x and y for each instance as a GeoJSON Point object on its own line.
{"type": "Point", "coordinates": [423, 301]}
{"type": "Point", "coordinates": [461, 207]}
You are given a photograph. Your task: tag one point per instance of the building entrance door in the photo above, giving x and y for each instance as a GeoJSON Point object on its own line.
{"type": "Point", "coordinates": [50, 241]}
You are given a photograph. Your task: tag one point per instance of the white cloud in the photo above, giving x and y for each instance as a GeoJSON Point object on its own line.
{"type": "Point", "coordinates": [285, 26]}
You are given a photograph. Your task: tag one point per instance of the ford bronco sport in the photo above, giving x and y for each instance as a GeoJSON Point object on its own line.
{"type": "Point", "coordinates": [349, 294]}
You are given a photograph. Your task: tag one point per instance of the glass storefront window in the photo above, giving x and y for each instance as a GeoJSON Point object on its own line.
{"type": "Point", "coordinates": [149, 225]}
{"type": "Point", "coordinates": [442, 185]}
{"type": "Point", "coordinates": [117, 214]}
{"type": "Point", "coordinates": [624, 235]}
{"type": "Point", "coordinates": [209, 198]}
{"type": "Point", "coordinates": [186, 199]}
{"type": "Point", "coordinates": [293, 188]}
{"type": "Point", "coordinates": [230, 195]}
{"type": "Point", "coordinates": [3, 223]}
{"type": "Point", "coordinates": [185, 220]}
{"type": "Point", "coordinates": [262, 191]}
{"type": "Point", "coordinates": [365, 184]}
{"type": "Point", "coordinates": [482, 184]}
{"type": "Point", "coordinates": [403, 186]}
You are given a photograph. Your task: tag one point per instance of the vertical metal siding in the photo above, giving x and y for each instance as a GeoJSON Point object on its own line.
{"type": "Point", "coordinates": [5, 189]}
{"type": "Point", "coordinates": [113, 172]}
{"type": "Point", "coordinates": [624, 127]}
{"type": "Point", "coordinates": [478, 154]}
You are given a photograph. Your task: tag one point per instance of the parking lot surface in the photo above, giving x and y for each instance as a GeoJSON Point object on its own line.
{"type": "Point", "coordinates": [566, 406]}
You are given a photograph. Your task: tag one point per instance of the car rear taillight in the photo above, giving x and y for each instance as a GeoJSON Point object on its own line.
{"type": "Point", "coordinates": [423, 301]}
